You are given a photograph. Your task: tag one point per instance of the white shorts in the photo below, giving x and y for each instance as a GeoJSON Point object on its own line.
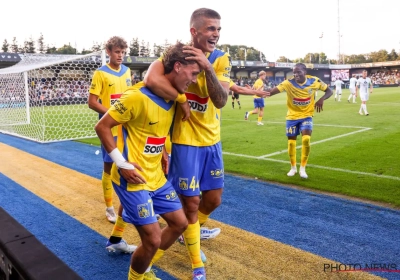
{"type": "Point", "coordinates": [364, 96]}
{"type": "Point", "coordinates": [339, 91]}
{"type": "Point", "coordinates": [352, 90]}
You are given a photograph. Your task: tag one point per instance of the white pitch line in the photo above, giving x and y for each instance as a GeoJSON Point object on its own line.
{"type": "Point", "coordinates": [318, 142]}
{"type": "Point", "coordinates": [319, 166]}
{"type": "Point", "coordinates": [329, 125]}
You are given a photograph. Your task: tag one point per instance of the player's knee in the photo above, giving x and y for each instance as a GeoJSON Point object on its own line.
{"type": "Point", "coordinates": [151, 242]}
{"type": "Point", "coordinates": [305, 140]}
{"type": "Point", "coordinates": [212, 203]}
{"type": "Point", "coordinates": [190, 204]}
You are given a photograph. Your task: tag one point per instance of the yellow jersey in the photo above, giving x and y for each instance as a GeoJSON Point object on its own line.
{"type": "Point", "coordinates": [146, 120]}
{"type": "Point", "coordinates": [301, 97]}
{"type": "Point", "coordinates": [257, 85]}
{"type": "Point", "coordinates": [203, 126]}
{"type": "Point", "coordinates": [109, 84]}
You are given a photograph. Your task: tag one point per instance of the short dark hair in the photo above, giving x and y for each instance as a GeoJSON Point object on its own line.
{"type": "Point", "coordinates": [302, 66]}
{"type": "Point", "coordinates": [116, 42]}
{"type": "Point", "coordinates": [175, 54]}
{"type": "Point", "coordinates": [203, 12]}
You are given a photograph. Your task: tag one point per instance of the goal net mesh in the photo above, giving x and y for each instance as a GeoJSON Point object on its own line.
{"type": "Point", "coordinates": [44, 97]}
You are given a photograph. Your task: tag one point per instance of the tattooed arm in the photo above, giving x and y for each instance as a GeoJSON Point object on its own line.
{"type": "Point", "coordinates": [217, 90]}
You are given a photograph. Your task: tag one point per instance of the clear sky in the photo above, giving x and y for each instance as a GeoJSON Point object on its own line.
{"type": "Point", "coordinates": [288, 28]}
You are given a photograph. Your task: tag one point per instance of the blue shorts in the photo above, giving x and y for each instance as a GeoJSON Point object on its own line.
{"type": "Point", "coordinates": [106, 157]}
{"type": "Point", "coordinates": [258, 102]}
{"type": "Point", "coordinates": [140, 207]}
{"type": "Point", "coordinates": [195, 169]}
{"type": "Point", "coordinates": [294, 127]}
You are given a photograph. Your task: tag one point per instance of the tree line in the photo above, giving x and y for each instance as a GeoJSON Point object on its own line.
{"type": "Point", "coordinates": [237, 52]}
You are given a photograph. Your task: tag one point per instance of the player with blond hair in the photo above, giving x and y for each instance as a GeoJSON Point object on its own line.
{"type": "Point", "coordinates": [258, 101]}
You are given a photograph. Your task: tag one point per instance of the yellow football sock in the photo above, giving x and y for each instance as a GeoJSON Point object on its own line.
{"type": "Point", "coordinates": [192, 242]}
{"type": "Point", "coordinates": [305, 149]}
{"type": "Point", "coordinates": [107, 188]}
{"type": "Point", "coordinates": [260, 119]}
{"type": "Point", "coordinates": [133, 275]}
{"type": "Point", "coordinates": [157, 256]}
{"type": "Point", "coordinates": [119, 227]}
{"type": "Point", "coordinates": [251, 113]}
{"type": "Point", "coordinates": [292, 151]}
{"type": "Point", "coordinates": [202, 218]}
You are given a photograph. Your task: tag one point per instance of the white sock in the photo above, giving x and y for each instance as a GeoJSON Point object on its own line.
{"type": "Point", "coordinates": [354, 98]}
{"type": "Point", "coordinates": [302, 169]}
{"type": "Point", "coordinates": [349, 97]}
{"type": "Point", "coordinates": [365, 108]}
{"type": "Point", "coordinates": [361, 108]}
{"type": "Point", "coordinates": [294, 168]}
{"type": "Point", "coordinates": [340, 96]}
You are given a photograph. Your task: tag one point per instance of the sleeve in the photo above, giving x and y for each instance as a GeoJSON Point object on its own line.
{"type": "Point", "coordinates": [97, 84]}
{"type": "Point", "coordinates": [122, 110]}
{"type": "Point", "coordinates": [282, 86]}
{"type": "Point", "coordinates": [223, 68]}
{"type": "Point", "coordinates": [322, 85]}
{"type": "Point", "coordinates": [231, 83]}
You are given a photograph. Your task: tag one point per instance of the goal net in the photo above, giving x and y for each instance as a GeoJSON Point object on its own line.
{"type": "Point", "coordinates": [44, 97]}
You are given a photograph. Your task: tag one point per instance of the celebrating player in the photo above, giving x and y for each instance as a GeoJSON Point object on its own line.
{"type": "Point", "coordinates": [137, 174]}
{"type": "Point", "coordinates": [300, 92]}
{"type": "Point", "coordinates": [258, 101]}
{"type": "Point", "coordinates": [196, 161]}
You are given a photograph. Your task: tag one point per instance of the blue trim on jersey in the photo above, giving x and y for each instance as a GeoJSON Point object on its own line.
{"type": "Point", "coordinates": [122, 181]}
{"type": "Point", "coordinates": [309, 82]}
{"type": "Point", "coordinates": [214, 55]}
{"type": "Point", "coordinates": [156, 99]}
{"type": "Point", "coordinates": [107, 69]}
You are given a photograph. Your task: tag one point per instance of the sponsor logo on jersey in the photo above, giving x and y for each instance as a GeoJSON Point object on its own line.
{"type": "Point", "coordinates": [143, 210]}
{"type": "Point", "coordinates": [154, 145]}
{"type": "Point", "coordinates": [301, 101]}
{"type": "Point", "coordinates": [128, 82]}
{"type": "Point", "coordinates": [119, 107]}
{"type": "Point", "coordinates": [183, 184]}
{"type": "Point", "coordinates": [114, 97]}
{"type": "Point", "coordinates": [197, 103]}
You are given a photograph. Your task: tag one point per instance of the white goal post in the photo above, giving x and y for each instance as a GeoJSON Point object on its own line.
{"type": "Point", "coordinates": [44, 97]}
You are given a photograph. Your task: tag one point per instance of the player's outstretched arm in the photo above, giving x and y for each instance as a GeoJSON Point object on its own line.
{"type": "Point", "coordinates": [247, 91]}
{"type": "Point", "coordinates": [320, 103]}
{"type": "Point", "coordinates": [272, 92]}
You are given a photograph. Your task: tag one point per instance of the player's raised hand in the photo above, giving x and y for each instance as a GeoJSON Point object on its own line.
{"type": "Point", "coordinates": [185, 110]}
{"type": "Point", "coordinates": [319, 104]}
{"type": "Point", "coordinates": [133, 176]}
{"type": "Point", "coordinates": [199, 57]}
